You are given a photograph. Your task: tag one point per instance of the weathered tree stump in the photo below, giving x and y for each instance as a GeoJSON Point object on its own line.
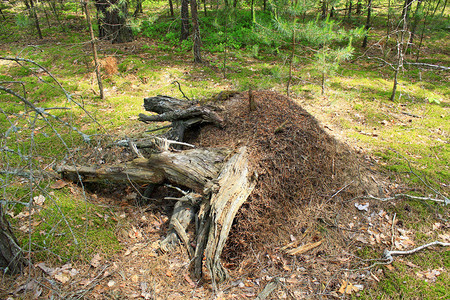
{"type": "Point", "coordinates": [219, 178]}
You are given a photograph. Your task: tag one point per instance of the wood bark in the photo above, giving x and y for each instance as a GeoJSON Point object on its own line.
{"type": "Point", "coordinates": [182, 113]}
{"type": "Point", "coordinates": [112, 17]}
{"type": "Point", "coordinates": [235, 183]}
{"type": "Point", "coordinates": [94, 50]}
{"type": "Point", "coordinates": [189, 168]}
{"type": "Point", "coordinates": [184, 34]}
{"type": "Point", "coordinates": [197, 41]}
{"type": "Point", "coordinates": [11, 255]}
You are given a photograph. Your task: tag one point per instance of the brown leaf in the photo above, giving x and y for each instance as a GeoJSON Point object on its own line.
{"type": "Point", "coordinates": [95, 261]}
{"type": "Point", "coordinates": [39, 200]}
{"type": "Point", "coordinates": [61, 277]}
{"type": "Point", "coordinates": [58, 184]}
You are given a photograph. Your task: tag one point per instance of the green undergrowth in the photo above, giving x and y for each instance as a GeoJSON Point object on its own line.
{"type": "Point", "coordinates": [68, 227]}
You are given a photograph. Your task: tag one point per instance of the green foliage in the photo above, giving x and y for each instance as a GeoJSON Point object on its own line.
{"type": "Point", "coordinates": [22, 20]}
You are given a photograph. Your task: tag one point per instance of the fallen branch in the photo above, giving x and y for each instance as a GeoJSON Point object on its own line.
{"type": "Point", "coordinates": [399, 196]}
{"type": "Point", "coordinates": [388, 256]}
{"type": "Point", "coordinates": [425, 65]}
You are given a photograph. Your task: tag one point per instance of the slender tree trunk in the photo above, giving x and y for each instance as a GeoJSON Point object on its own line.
{"type": "Point", "coordinates": [415, 21]}
{"type": "Point", "coordinates": [138, 10]}
{"type": "Point", "coordinates": [367, 27]}
{"type": "Point", "coordinates": [253, 12]}
{"type": "Point", "coordinates": [184, 20]}
{"type": "Point", "coordinates": [204, 8]}
{"type": "Point", "coordinates": [94, 50]}
{"type": "Point", "coordinates": [33, 14]}
{"type": "Point", "coordinates": [400, 53]}
{"type": "Point", "coordinates": [196, 32]}
{"type": "Point", "coordinates": [324, 9]}
{"type": "Point", "coordinates": [235, 3]}
{"type": "Point", "coordinates": [349, 13]}
{"type": "Point", "coordinates": [323, 83]}
{"type": "Point", "coordinates": [443, 8]}
{"type": "Point", "coordinates": [406, 9]}
{"type": "Point", "coordinates": [11, 254]}
{"type": "Point", "coordinates": [291, 63]}
{"type": "Point", "coordinates": [225, 52]}
{"type": "Point", "coordinates": [171, 8]}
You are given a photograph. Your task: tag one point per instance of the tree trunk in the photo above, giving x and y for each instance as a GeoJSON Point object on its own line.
{"type": "Point", "coordinates": [138, 9]}
{"type": "Point", "coordinates": [184, 20]}
{"type": "Point", "coordinates": [416, 20]}
{"type": "Point", "coordinates": [11, 255]}
{"type": "Point", "coordinates": [112, 18]}
{"type": "Point", "coordinates": [94, 50]}
{"type": "Point", "coordinates": [171, 8]}
{"type": "Point", "coordinates": [32, 9]}
{"type": "Point", "coordinates": [196, 31]}
{"type": "Point", "coordinates": [349, 13]}
{"type": "Point", "coordinates": [367, 27]}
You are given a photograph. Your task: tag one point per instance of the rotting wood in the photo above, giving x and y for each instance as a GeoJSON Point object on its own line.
{"type": "Point", "coordinates": [135, 171]}
{"type": "Point", "coordinates": [190, 168]}
{"type": "Point", "coordinates": [182, 113]}
{"type": "Point", "coordinates": [235, 184]}
{"type": "Point", "coordinates": [219, 179]}
{"type": "Point", "coordinates": [183, 214]}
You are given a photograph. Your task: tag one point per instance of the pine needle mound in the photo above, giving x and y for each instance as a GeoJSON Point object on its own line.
{"type": "Point", "coordinates": [302, 171]}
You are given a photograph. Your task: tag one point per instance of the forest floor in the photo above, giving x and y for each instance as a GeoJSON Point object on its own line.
{"type": "Point", "coordinates": [398, 144]}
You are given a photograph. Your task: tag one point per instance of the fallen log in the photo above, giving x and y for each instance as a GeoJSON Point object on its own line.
{"type": "Point", "coordinates": [189, 168]}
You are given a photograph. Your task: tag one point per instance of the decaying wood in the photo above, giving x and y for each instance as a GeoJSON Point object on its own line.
{"type": "Point", "coordinates": [190, 168]}
{"type": "Point", "coordinates": [136, 171]}
{"type": "Point", "coordinates": [183, 214]}
{"type": "Point", "coordinates": [182, 113]}
{"type": "Point", "coordinates": [235, 184]}
{"type": "Point", "coordinates": [219, 179]}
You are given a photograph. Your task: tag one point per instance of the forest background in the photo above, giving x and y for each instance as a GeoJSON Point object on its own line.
{"type": "Point", "coordinates": [375, 73]}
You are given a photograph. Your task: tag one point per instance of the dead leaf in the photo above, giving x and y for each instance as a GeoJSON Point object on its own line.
{"type": "Point", "coordinates": [39, 200]}
{"type": "Point", "coordinates": [61, 277]}
{"type": "Point", "coordinates": [46, 269]}
{"type": "Point", "coordinates": [347, 288]}
{"type": "Point", "coordinates": [364, 206]}
{"type": "Point", "coordinates": [362, 239]}
{"type": "Point", "coordinates": [135, 278]}
{"type": "Point", "coordinates": [111, 283]}
{"type": "Point", "coordinates": [169, 273]}
{"type": "Point", "coordinates": [95, 261]}
{"type": "Point", "coordinates": [410, 264]}
{"type": "Point", "coordinates": [134, 233]}
{"type": "Point", "coordinates": [58, 184]}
